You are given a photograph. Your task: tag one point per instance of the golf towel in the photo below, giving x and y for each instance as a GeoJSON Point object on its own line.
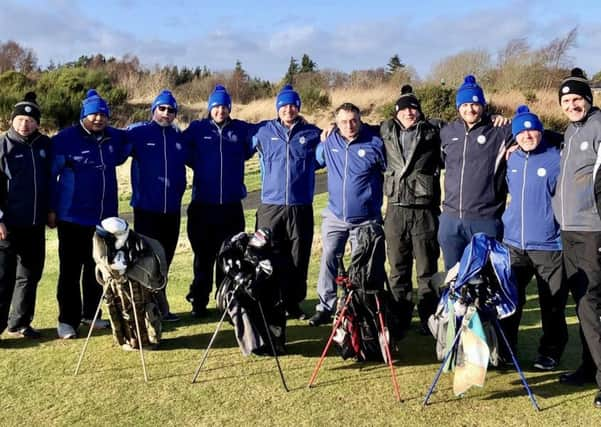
{"type": "Point", "coordinates": [471, 365]}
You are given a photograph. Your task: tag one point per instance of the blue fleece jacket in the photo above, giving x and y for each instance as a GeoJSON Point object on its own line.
{"type": "Point", "coordinates": [158, 168]}
{"type": "Point", "coordinates": [528, 221]}
{"type": "Point", "coordinates": [217, 156]}
{"type": "Point", "coordinates": [355, 175]}
{"type": "Point", "coordinates": [83, 175]}
{"type": "Point", "coordinates": [287, 160]}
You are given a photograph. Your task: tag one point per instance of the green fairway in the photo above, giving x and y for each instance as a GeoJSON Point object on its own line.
{"type": "Point", "coordinates": [37, 385]}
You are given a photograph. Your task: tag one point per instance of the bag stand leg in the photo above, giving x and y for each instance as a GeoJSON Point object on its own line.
{"type": "Point", "coordinates": [329, 343]}
{"type": "Point", "coordinates": [517, 366]}
{"type": "Point", "coordinates": [131, 297]}
{"type": "Point", "coordinates": [206, 353]}
{"type": "Point", "coordinates": [442, 365]}
{"type": "Point", "coordinates": [275, 354]}
{"type": "Point", "coordinates": [85, 344]}
{"type": "Point", "coordinates": [383, 331]}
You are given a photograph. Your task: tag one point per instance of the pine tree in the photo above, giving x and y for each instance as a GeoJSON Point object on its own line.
{"type": "Point", "coordinates": [307, 65]}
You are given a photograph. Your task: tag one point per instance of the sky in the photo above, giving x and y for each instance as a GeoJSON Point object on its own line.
{"type": "Point", "coordinates": [264, 34]}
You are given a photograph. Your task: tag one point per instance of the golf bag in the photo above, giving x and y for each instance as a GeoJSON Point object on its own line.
{"type": "Point", "coordinates": [358, 334]}
{"type": "Point", "coordinates": [248, 293]}
{"type": "Point", "coordinates": [133, 269]}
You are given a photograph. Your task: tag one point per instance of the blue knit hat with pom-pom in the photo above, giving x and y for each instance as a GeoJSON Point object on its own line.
{"type": "Point", "coordinates": [287, 96]}
{"type": "Point", "coordinates": [523, 120]}
{"type": "Point", "coordinates": [469, 92]}
{"type": "Point", "coordinates": [220, 97]}
{"type": "Point", "coordinates": [94, 104]}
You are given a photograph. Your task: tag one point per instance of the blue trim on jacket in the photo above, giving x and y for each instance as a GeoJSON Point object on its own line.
{"type": "Point", "coordinates": [355, 175]}
{"type": "Point", "coordinates": [217, 157]}
{"type": "Point", "coordinates": [287, 160]}
{"type": "Point", "coordinates": [83, 174]}
{"type": "Point", "coordinates": [529, 222]}
{"type": "Point", "coordinates": [158, 168]}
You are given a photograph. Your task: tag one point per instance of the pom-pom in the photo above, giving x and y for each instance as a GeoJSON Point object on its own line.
{"type": "Point", "coordinates": [522, 109]}
{"type": "Point", "coordinates": [469, 79]}
{"type": "Point", "coordinates": [406, 89]}
{"type": "Point", "coordinates": [577, 72]}
{"type": "Point", "coordinates": [91, 93]}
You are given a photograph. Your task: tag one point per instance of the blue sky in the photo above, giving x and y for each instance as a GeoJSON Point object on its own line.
{"type": "Point", "coordinates": [341, 35]}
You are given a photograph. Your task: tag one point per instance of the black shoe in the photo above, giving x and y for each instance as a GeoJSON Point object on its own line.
{"type": "Point", "coordinates": [577, 378]}
{"type": "Point", "coordinates": [199, 312]}
{"type": "Point", "coordinates": [320, 318]}
{"type": "Point", "coordinates": [295, 312]}
{"type": "Point", "coordinates": [545, 363]}
{"type": "Point", "coordinates": [597, 401]}
{"type": "Point", "coordinates": [26, 332]}
{"type": "Point", "coordinates": [171, 317]}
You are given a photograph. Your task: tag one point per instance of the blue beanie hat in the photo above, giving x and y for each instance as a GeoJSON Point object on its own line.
{"type": "Point", "coordinates": [220, 97]}
{"type": "Point", "coordinates": [469, 92]}
{"type": "Point", "coordinates": [164, 98]}
{"type": "Point", "coordinates": [287, 96]}
{"type": "Point", "coordinates": [93, 104]}
{"type": "Point", "coordinates": [525, 120]}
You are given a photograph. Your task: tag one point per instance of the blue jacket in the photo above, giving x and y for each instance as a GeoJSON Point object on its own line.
{"type": "Point", "coordinates": [529, 222]}
{"type": "Point", "coordinates": [83, 175]}
{"type": "Point", "coordinates": [474, 183]}
{"type": "Point", "coordinates": [158, 168]}
{"type": "Point", "coordinates": [355, 175]}
{"type": "Point", "coordinates": [217, 157]}
{"type": "Point", "coordinates": [24, 179]}
{"type": "Point", "coordinates": [287, 160]}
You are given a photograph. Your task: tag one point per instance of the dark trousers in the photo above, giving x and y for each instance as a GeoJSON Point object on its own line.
{"type": "Point", "coordinates": [547, 268]}
{"type": "Point", "coordinates": [582, 263]}
{"type": "Point", "coordinates": [76, 268]}
{"type": "Point", "coordinates": [455, 234]}
{"type": "Point", "coordinates": [411, 233]}
{"type": "Point", "coordinates": [21, 263]}
{"type": "Point", "coordinates": [165, 229]}
{"type": "Point", "coordinates": [292, 236]}
{"type": "Point", "coordinates": [208, 226]}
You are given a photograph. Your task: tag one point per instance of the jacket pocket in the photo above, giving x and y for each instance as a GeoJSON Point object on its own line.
{"type": "Point", "coordinates": [389, 184]}
{"type": "Point", "coordinates": [423, 186]}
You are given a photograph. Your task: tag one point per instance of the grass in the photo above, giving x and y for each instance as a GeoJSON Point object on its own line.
{"type": "Point", "coordinates": [37, 385]}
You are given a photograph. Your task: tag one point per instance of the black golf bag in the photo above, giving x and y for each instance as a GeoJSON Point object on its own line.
{"type": "Point", "coordinates": [364, 299]}
{"type": "Point", "coordinates": [249, 294]}
{"type": "Point", "coordinates": [133, 269]}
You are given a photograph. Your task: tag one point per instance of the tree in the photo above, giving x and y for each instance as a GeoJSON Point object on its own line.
{"type": "Point", "coordinates": [293, 69]}
{"type": "Point", "coordinates": [394, 64]}
{"type": "Point", "coordinates": [15, 57]}
{"type": "Point", "coordinates": [307, 65]}
{"type": "Point", "coordinates": [453, 69]}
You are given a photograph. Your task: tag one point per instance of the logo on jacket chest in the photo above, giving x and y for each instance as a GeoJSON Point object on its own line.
{"type": "Point", "coordinates": [584, 145]}
{"type": "Point", "coordinates": [302, 140]}
{"type": "Point", "coordinates": [361, 152]}
{"type": "Point", "coordinates": [541, 172]}
{"type": "Point", "coordinates": [481, 139]}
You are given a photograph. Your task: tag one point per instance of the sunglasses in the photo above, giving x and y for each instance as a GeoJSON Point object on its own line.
{"type": "Point", "coordinates": [163, 108]}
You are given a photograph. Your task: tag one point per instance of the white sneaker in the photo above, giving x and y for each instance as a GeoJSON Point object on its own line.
{"type": "Point", "coordinates": [98, 324]}
{"type": "Point", "coordinates": [66, 331]}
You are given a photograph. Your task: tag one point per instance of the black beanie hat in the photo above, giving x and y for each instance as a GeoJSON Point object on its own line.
{"type": "Point", "coordinates": [407, 99]}
{"type": "Point", "coordinates": [576, 84]}
{"type": "Point", "coordinates": [27, 107]}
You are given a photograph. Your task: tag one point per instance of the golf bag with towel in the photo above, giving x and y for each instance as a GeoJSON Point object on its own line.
{"type": "Point", "coordinates": [478, 292]}
{"type": "Point", "coordinates": [360, 328]}
{"type": "Point", "coordinates": [248, 292]}
{"type": "Point", "coordinates": [132, 268]}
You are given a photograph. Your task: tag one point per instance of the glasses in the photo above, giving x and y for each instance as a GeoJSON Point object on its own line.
{"type": "Point", "coordinates": [163, 108]}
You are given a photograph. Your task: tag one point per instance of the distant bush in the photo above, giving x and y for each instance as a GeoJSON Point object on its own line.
{"type": "Point", "coordinates": [554, 122]}
{"type": "Point", "coordinates": [13, 86]}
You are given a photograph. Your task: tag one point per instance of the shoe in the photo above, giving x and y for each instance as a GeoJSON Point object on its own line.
{"type": "Point", "coordinates": [577, 378]}
{"type": "Point", "coordinates": [98, 324]}
{"type": "Point", "coordinates": [199, 312]}
{"type": "Point", "coordinates": [66, 331]}
{"type": "Point", "coordinates": [171, 317]}
{"type": "Point", "coordinates": [26, 332]}
{"type": "Point", "coordinates": [545, 363]}
{"type": "Point", "coordinates": [320, 318]}
{"type": "Point", "coordinates": [597, 401]}
{"type": "Point", "coordinates": [295, 312]}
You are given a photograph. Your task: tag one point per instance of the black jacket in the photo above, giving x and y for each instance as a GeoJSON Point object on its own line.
{"type": "Point", "coordinates": [412, 176]}
{"type": "Point", "coordinates": [24, 178]}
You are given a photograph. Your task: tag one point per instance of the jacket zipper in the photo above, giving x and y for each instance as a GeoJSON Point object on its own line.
{"type": "Point", "coordinates": [103, 180]}
{"type": "Point", "coordinates": [344, 209]}
{"type": "Point", "coordinates": [461, 179]}
{"type": "Point", "coordinates": [522, 201]}
{"type": "Point", "coordinates": [287, 165]}
{"type": "Point", "coordinates": [220, 130]}
{"type": "Point", "coordinates": [35, 185]}
{"type": "Point", "coordinates": [166, 170]}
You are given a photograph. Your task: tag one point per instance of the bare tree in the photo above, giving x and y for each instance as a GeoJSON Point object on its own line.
{"type": "Point", "coordinates": [453, 69]}
{"type": "Point", "coordinates": [15, 57]}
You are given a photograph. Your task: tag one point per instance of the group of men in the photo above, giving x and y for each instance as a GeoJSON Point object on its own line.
{"type": "Point", "coordinates": [552, 224]}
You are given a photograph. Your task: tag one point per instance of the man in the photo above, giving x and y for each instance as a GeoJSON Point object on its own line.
{"type": "Point", "coordinates": [219, 145]}
{"type": "Point", "coordinates": [532, 235]}
{"type": "Point", "coordinates": [83, 193]}
{"type": "Point", "coordinates": [286, 147]}
{"type": "Point", "coordinates": [578, 208]}
{"type": "Point", "coordinates": [24, 178]}
{"type": "Point", "coordinates": [474, 185]}
{"type": "Point", "coordinates": [412, 186]}
{"type": "Point", "coordinates": [354, 156]}
{"type": "Point", "coordinates": [158, 179]}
